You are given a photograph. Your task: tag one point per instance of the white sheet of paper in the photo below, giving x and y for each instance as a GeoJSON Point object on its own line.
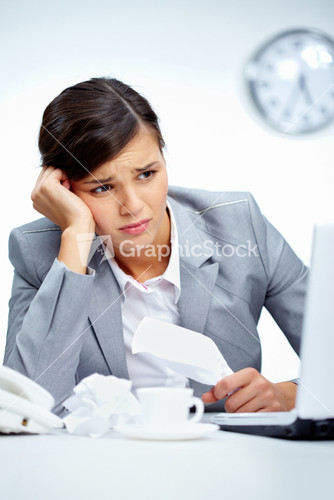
{"type": "Point", "coordinates": [185, 351]}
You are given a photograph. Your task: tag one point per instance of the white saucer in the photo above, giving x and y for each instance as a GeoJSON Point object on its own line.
{"type": "Point", "coordinates": [188, 431]}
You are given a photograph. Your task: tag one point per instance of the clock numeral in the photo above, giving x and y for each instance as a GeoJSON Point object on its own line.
{"type": "Point", "coordinates": [298, 44]}
{"type": "Point", "coordinates": [273, 103]}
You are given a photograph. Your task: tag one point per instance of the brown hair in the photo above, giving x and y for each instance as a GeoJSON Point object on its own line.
{"type": "Point", "coordinates": [91, 123]}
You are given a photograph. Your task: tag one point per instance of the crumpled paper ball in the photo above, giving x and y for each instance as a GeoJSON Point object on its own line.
{"type": "Point", "coordinates": [99, 403]}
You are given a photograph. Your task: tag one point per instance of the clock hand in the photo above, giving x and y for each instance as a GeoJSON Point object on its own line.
{"type": "Point", "coordinates": [305, 90]}
{"type": "Point", "coordinates": [291, 102]}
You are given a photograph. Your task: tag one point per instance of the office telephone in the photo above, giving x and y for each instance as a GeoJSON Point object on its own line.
{"type": "Point", "coordinates": [25, 406]}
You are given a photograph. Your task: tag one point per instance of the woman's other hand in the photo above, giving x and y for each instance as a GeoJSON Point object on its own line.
{"type": "Point", "coordinates": [52, 198]}
{"type": "Point", "coordinates": [253, 393]}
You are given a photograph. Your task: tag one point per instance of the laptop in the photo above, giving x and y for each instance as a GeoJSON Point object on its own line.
{"type": "Point", "coordinates": [313, 416]}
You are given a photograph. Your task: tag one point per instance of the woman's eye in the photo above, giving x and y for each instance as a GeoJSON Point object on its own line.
{"type": "Point", "coordinates": [147, 174]}
{"type": "Point", "coordinates": [103, 189]}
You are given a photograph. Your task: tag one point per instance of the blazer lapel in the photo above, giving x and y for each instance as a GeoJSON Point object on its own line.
{"type": "Point", "coordinates": [106, 317]}
{"type": "Point", "coordinates": [197, 279]}
{"type": "Point", "coordinates": [196, 294]}
{"type": "Point", "coordinates": [197, 283]}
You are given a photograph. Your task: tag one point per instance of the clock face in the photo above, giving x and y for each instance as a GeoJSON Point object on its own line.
{"type": "Point", "coordinates": [291, 81]}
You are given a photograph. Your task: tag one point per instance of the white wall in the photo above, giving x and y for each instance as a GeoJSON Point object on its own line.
{"type": "Point", "coordinates": [187, 57]}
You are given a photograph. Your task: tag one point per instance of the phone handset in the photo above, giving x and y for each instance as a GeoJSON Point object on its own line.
{"type": "Point", "coordinates": [25, 406]}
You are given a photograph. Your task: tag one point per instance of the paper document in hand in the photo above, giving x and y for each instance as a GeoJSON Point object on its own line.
{"type": "Point", "coordinates": [185, 351]}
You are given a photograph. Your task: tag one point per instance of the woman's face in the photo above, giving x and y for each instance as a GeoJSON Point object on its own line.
{"type": "Point", "coordinates": [129, 190]}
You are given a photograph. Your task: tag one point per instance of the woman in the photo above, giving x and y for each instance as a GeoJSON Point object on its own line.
{"type": "Point", "coordinates": [207, 261]}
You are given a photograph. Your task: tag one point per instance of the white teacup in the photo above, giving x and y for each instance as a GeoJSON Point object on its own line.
{"type": "Point", "coordinates": [165, 407]}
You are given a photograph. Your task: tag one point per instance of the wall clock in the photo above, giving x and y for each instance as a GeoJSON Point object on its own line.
{"type": "Point", "coordinates": [291, 81]}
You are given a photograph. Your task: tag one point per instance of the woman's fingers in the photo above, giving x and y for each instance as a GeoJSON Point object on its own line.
{"type": "Point", "coordinates": [65, 182]}
{"type": "Point", "coordinates": [209, 397]}
{"type": "Point", "coordinates": [248, 391]}
{"type": "Point", "coordinates": [52, 197]}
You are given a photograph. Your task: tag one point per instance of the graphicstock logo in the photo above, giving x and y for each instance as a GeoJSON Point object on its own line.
{"type": "Point", "coordinates": [90, 243]}
{"type": "Point", "coordinates": [205, 249]}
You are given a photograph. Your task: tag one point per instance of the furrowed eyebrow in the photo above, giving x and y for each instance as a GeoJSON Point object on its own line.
{"type": "Point", "coordinates": [110, 179]}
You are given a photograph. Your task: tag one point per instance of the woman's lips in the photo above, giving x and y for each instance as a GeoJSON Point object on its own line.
{"type": "Point", "coordinates": [136, 227]}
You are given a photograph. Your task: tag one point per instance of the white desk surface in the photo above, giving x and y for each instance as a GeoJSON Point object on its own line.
{"type": "Point", "coordinates": [222, 466]}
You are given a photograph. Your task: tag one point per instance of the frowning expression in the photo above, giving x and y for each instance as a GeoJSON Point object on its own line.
{"type": "Point", "coordinates": [127, 195]}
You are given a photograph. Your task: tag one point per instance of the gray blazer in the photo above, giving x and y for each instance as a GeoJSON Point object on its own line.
{"type": "Point", "coordinates": [64, 326]}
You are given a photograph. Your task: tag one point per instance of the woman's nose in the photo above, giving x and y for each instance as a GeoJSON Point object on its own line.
{"type": "Point", "coordinates": [130, 203]}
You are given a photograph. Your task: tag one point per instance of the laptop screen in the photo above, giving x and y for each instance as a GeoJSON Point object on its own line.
{"type": "Point", "coordinates": [315, 395]}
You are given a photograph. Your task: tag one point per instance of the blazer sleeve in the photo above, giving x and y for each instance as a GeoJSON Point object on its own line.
{"type": "Point", "coordinates": [46, 320]}
{"type": "Point", "coordinates": [286, 275]}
